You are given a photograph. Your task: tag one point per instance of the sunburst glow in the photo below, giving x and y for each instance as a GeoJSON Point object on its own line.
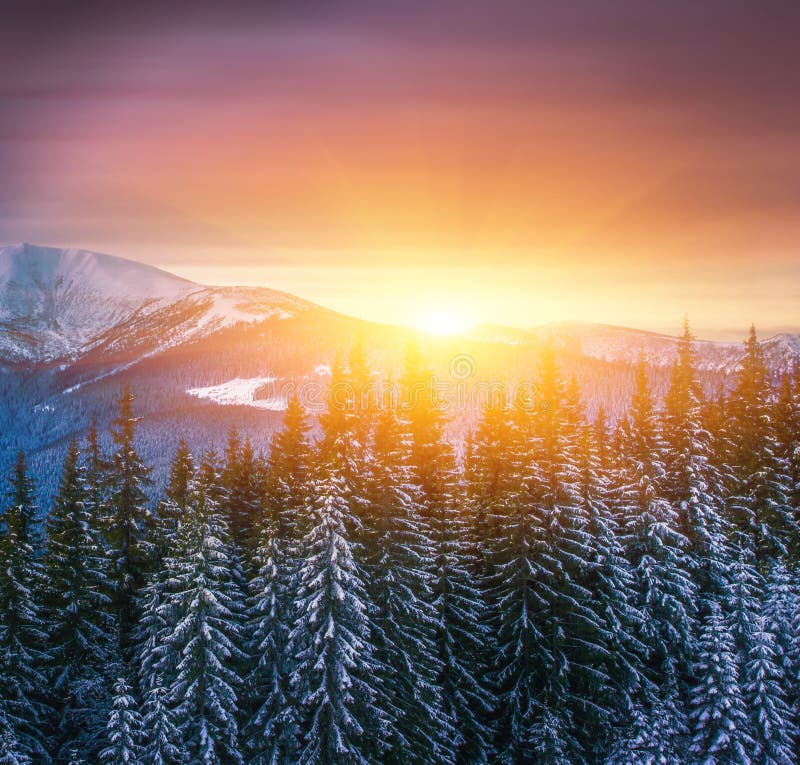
{"type": "Point", "coordinates": [444, 321]}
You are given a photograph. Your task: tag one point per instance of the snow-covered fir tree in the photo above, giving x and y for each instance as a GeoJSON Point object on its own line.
{"type": "Point", "coordinates": [155, 612]}
{"type": "Point", "coordinates": [161, 739]}
{"type": "Point", "coordinates": [461, 629]}
{"type": "Point", "coordinates": [550, 637]}
{"type": "Point", "coordinates": [201, 642]}
{"type": "Point", "coordinates": [666, 595]}
{"type": "Point", "coordinates": [771, 725]}
{"type": "Point", "coordinates": [692, 483]}
{"type": "Point", "coordinates": [129, 516]}
{"type": "Point", "coordinates": [332, 679]}
{"type": "Point", "coordinates": [610, 580]}
{"type": "Point", "coordinates": [786, 415]}
{"type": "Point", "coordinates": [242, 482]}
{"type": "Point", "coordinates": [174, 507]}
{"type": "Point", "coordinates": [402, 618]}
{"type": "Point", "coordinates": [23, 638]}
{"type": "Point", "coordinates": [11, 751]}
{"type": "Point", "coordinates": [719, 723]}
{"type": "Point", "coordinates": [81, 629]}
{"type": "Point", "coordinates": [760, 476]}
{"type": "Point", "coordinates": [493, 472]}
{"type": "Point", "coordinates": [272, 734]}
{"type": "Point", "coordinates": [781, 611]}
{"type": "Point", "coordinates": [124, 728]}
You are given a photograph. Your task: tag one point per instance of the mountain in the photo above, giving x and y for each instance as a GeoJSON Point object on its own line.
{"type": "Point", "coordinates": [58, 305]}
{"type": "Point", "coordinates": [76, 325]}
{"type": "Point", "coordinates": [611, 343]}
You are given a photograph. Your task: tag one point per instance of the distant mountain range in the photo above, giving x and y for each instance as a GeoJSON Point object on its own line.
{"type": "Point", "coordinates": [75, 325]}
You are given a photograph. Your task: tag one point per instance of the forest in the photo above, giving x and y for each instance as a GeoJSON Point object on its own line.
{"type": "Point", "coordinates": [559, 591]}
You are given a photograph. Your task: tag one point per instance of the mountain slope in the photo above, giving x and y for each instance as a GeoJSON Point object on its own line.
{"type": "Point", "coordinates": [60, 305]}
{"type": "Point", "coordinates": [54, 302]}
{"type": "Point", "coordinates": [623, 344]}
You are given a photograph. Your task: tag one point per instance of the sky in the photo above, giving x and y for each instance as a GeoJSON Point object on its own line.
{"type": "Point", "coordinates": [510, 162]}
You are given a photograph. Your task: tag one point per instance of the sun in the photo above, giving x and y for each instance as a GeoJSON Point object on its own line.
{"type": "Point", "coordinates": [443, 321]}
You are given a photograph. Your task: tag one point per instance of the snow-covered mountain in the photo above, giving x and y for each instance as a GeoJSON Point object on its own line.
{"type": "Point", "coordinates": [61, 304]}
{"type": "Point", "coordinates": [623, 344]}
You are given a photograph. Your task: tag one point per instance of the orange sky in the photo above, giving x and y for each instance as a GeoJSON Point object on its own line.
{"type": "Point", "coordinates": [529, 163]}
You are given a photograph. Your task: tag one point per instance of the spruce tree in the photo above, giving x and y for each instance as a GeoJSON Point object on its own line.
{"type": "Point", "coordinates": [787, 421]}
{"type": "Point", "coordinates": [761, 491]}
{"type": "Point", "coordinates": [288, 470]}
{"type": "Point", "coordinates": [11, 752]}
{"type": "Point", "coordinates": [129, 518]}
{"type": "Point", "coordinates": [666, 595]}
{"type": "Point", "coordinates": [330, 640]}
{"type": "Point", "coordinates": [203, 631]}
{"type": "Point", "coordinates": [402, 619]}
{"type": "Point", "coordinates": [692, 483]}
{"type": "Point", "coordinates": [550, 655]}
{"type": "Point", "coordinates": [272, 731]}
{"type": "Point", "coordinates": [22, 627]}
{"type": "Point", "coordinates": [173, 508]}
{"type": "Point", "coordinates": [771, 726]}
{"type": "Point", "coordinates": [461, 628]}
{"type": "Point", "coordinates": [155, 613]}
{"type": "Point", "coordinates": [718, 717]}
{"type": "Point", "coordinates": [80, 624]}
{"type": "Point", "coordinates": [124, 728]}
{"type": "Point", "coordinates": [781, 611]}
{"type": "Point", "coordinates": [160, 736]}
{"type": "Point", "coordinates": [243, 501]}
{"type": "Point", "coordinates": [611, 581]}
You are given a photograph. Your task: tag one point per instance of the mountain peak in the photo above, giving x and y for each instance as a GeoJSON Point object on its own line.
{"type": "Point", "coordinates": [32, 264]}
{"type": "Point", "coordinates": [53, 300]}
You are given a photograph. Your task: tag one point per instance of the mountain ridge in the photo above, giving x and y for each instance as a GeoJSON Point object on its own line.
{"type": "Point", "coordinates": [59, 304]}
{"type": "Point", "coordinates": [64, 305]}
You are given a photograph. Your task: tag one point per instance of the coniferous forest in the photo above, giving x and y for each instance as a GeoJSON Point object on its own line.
{"type": "Point", "coordinates": [560, 591]}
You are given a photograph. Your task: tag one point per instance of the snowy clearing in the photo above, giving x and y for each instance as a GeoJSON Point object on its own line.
{"type": "Point", "coordinates": [242, 392]}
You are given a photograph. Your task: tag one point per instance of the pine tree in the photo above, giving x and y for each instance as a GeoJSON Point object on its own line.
{"type": "Point", "coordinates": [693, 484]}
{"type": "Point", "coordinates": [272, 731]}
{"type": "Point", "coordinates": [173, 508]}
{"type": "Point", "coordinates": [551, 651]}
{"type": "Point", "coordinates": [787, 420]}
{"type": "Point", "coordinates": [610, 580]}
{"type": "Point", "coordinates": [128, 520]}
{"type": "Point", "coordinates": [22, 629]}
{"type": "Point", "coordinates": [160, 738]}
{"type": "Point", "coordinates": [243, 502]}
{"type": "Point", "coordinates": [155, 614]}
{"type": "Point", "coordinates": [11, 752]}
{"type": "Point", "coordinates": [781, 611]}
{"type": "Point", "coordinates": [771, 723]}
{"type": "Point", "coordinates": [288, 470]}
{"type": "Point", "coordinates": [657, 551]}
{"type": "Point", "coordinates": [741, 598]}
{"type": "Point", "coordinates": [203, 630]}
{"type": "Point", "coordinates": [123, 730]}
{"type": "Point", "coordinates": [760, 504]}
{"type": "Point", "coordinates": [339, 722]}
{"type": "Point", "coordinates": [403, 622]}
{"type": "Point", "coordinates": [719, 718]}
{"type": "Point", "coordinates": [461, 627]}
{"type": "Point", "coordinates": [80, 624]}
